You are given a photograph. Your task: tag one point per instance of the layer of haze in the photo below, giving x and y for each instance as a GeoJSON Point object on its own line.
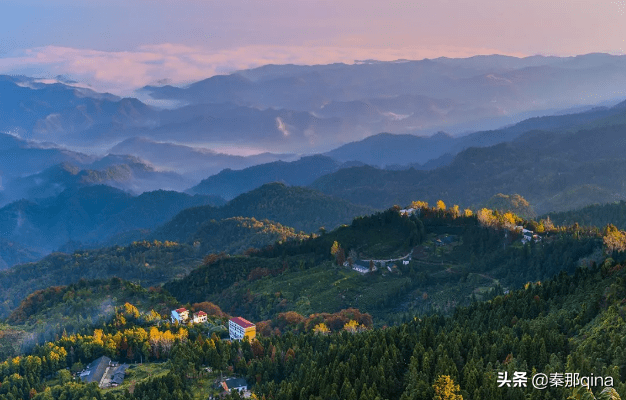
{"type": "Point", "coordinates": [120, 45]}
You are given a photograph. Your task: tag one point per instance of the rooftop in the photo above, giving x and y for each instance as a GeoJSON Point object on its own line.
{"type": "Point", "coordinates": [244, 323]}
{"type": "Point", "coordinates": [235, 383]}
{"type": "Point", "coordinates": [181, 310]}
{"type": "Point", "coordinates": [96, 370]}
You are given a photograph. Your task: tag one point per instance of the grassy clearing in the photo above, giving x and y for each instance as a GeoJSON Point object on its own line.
{"type": "Point", "coordinates": [138, 373]}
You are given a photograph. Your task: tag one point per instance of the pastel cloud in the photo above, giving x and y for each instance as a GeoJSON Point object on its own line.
{"type": "Point", "coordinates": [124, 71]}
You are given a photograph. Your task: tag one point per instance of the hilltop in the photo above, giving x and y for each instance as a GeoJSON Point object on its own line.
{"type": "Point", "coordinates": [237, 234]}
{"type": "Point", "coordinates": [300, 208]}
{"type": "Point", "coordinates": [515, 204]}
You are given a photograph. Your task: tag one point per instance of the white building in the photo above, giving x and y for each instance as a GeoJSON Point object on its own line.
{"type": "Point", "coordinates": [180, 315]}
{"type": "Point", "coordinates": [239, 327]}
{"type": "Point", "coordinates": [199, 317]}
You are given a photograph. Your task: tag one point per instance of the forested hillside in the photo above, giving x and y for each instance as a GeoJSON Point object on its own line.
{"type": "Point", "coordinates": [598, 215]}
{"type": "Point", "coordinates": [300, 208]}
{"type": "Point", "coordinates": [418, 265]}
{"type": "Point", "coordinates": [238, 234]}
{"type": "Point", "coordinates": [147, 263]}
{"type": "Point", "coordinates": [12, 253]}
{"type": "Point", "coordinates": [90, 216]}
{"type": "Point", "coordinates": [448, 297]}
{"type": "Point", "coordinates": [79, 307]}
{"type": "Point", "coordinates": [568, 323]}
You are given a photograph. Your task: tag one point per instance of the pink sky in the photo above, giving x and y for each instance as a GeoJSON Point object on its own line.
{"type": "Point", "coordinates": [120, 45]}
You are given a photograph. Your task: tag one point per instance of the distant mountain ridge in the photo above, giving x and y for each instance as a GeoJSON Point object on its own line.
{"type": "Point", "coordinates": [123, 172]}
{"type": "Point", "coordinates": [36, 170]}
{"type": "Point", "coordinates": [304, 110]}
{"type": "Point", "coordinates": [554, 170]}
{"type": "Point", "coordinates": [194, 163]}
{"type": "Point", "coordinates": [89, 215]}
{"type": "Point", "coordinates": [229, 183]}
{"type": "Point", "coordinates": [455, 95]}
{"type": "Point", "coordinates": [393, 149]}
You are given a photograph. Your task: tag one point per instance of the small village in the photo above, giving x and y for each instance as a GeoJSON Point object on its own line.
{"type": "Point", "coordinates": [108, 374]}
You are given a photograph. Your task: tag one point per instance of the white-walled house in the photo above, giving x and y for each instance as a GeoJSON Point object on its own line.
{"type": "Point", "coordinates": [180, 315]}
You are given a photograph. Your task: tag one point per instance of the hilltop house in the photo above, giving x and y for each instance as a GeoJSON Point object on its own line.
{"type": "Point", "coordinates": [238, 328]}
{"type": "Point", "coordinates": [199, 317]}
{"type": "Point", "coordinates": [180, 315]}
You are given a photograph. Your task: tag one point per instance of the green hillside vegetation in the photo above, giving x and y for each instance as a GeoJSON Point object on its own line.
{"type": "Point", "coordinates": [50, 312]}
{"type": "Point", "coordinates": [455, 311]}
{"type": "Point", "coordinates": [238, 234]}
{"type": "Point", "coordinates": [300, 208]}
{"type": "Point", "coordinates": [94, 300]}
{"type": "Point", "coordinates": [598, 215]}
{"type": "Point", "coordinates": [380, 235]}
{"type": "Point", "coordinates": [145, 263]}
{"type": "Point", "coordinates": [481, 255]}
{"type": "Point", "coordinates": [554, 171]}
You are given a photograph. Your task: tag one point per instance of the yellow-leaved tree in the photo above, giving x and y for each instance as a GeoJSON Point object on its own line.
{"type": "Point", "coordinates": [441, 205]}
{"type": "Point", "coordinates": [351, 326]}
{"type": "Point", "coordinates": [614, 239]}
{"type": "Point", "coordinates": [446, 389]}
{"type": "Point", "coordinates": [321, 328]}
{"type": "Point", "coordinates": [419, 204]}
{"type": "Point", "coordinates": [455, 211]}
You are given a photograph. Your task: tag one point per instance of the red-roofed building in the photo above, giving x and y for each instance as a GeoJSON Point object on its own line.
{"type": "Point", "coordinates": [180, 315]}
{"type": "Point", "coordinates": [199, 317]}
{"type": "Point", "coordinates": [238, 328]}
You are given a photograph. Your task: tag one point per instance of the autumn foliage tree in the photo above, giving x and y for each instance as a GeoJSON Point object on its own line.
{"type": "Point", "coordinates": [321, 328]}
{"type": "Point", "coordinates": [446, 389]}
{"type": "Point", "coordinates": [614, 239]}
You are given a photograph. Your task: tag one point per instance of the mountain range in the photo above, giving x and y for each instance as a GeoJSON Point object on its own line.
{"type": "Point", "coordinates": [553, 170]}
{"type": "Point", "coordinates": [460, 95]}
{"type": "Point", "coordinates": [229, 183]}
{"type": "Point", "coordinates": [310, 109]}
